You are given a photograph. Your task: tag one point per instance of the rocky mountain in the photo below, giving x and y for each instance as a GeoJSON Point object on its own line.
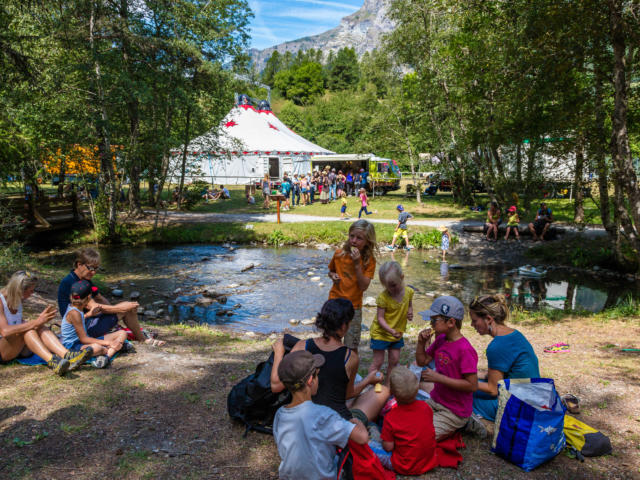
{"type": "Point", "coordinates": [362, 30]}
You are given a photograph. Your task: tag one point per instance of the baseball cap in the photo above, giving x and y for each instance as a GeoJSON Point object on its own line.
{"type": "Point", "coordinates": [296, 366]}
{"type": "Point", "coordinates": [446, 306]}
{"type": "Point", "coordinates": [400, 207]}
{"type": "Point", "coordinates": [82, 289]}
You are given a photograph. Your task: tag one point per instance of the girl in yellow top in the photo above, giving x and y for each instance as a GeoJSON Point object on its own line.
{"type": "Point", "coordinates": [395, 307]}
{"type": "Point", "coordinates": [512, 223]}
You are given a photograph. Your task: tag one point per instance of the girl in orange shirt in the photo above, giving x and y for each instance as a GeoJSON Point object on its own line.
{"type": "Point", "coordinates": [351, 270]}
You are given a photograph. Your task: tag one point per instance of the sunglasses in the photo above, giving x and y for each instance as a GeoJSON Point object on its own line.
{"type": "Point", "coordinates": [91, 268]}
{"type": "Point", "coordinates": [24, 272]}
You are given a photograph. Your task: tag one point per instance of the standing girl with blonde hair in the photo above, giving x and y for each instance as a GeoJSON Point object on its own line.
{"type": "Point", "coordinates": [20, 339]}
{"type": "Point", "coordinates": [395, 307]}
{"type": "Point", "coordinates": [351, 270]}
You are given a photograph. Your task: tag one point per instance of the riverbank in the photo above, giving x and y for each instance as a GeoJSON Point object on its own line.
{"type": "Point", "coordinates": [161, 413]}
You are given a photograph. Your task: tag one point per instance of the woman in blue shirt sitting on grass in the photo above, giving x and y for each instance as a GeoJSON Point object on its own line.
{"type": "Point", "coordinates": [509, 355]}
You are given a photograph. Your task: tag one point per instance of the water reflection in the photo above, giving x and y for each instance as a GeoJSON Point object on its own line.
{"type": "Point", "coordinates": [265, 288]}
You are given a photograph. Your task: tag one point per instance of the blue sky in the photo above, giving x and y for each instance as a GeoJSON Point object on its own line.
{"type": "Point", "coordinates": [278, 21]}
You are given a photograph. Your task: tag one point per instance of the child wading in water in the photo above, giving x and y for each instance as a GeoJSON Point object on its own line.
{"type": "Point", "coordinates": [456, 375]}
{"type": "Point", "coordinates": [401, 228]}
{"type": "Point", "coordinates": [74, 334]}
{"type": "Point", "coordinates": [364, 202]}
{"type": "Point", "coordinates": [512, 223]}
{"type": "Point", "coordinates": [343, 208]}
{"type": "Point", "coordinates": [351, 270]}
{"type": "Point", "coordinates": [395, 307]}
{"type": "Point", "coordinates": [445, 241]}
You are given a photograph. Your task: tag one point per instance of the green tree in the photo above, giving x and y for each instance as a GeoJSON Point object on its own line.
{"type": "Point", "coordinates": [343, 70]}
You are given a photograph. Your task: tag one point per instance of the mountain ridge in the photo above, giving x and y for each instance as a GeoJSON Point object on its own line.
{"type": "Point", "coordinates": [362, 30]}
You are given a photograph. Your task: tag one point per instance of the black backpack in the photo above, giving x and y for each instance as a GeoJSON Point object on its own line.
{"type": "Point", "coordinates": [252, 402]}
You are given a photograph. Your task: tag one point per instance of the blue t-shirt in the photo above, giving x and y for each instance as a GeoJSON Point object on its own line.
{"type": "Point", "coordinates": [402, 219]}
{"type": "Point", "coordinates": [286, 187]}
{"type": "Point", "coordinates": [513, 355]}
{"type": "Point", "coordinates": [544, 212]}
{"type": "Point", "coordinates": [363, 178]}
{"type": "Point", "coordinates": [64, 291]}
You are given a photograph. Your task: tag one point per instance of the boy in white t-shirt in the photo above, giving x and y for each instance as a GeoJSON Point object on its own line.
{"type": "Point", "coordinates": [307, 434]}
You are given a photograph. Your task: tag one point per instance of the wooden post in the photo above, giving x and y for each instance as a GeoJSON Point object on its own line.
{"type": "Point", "coordinates": [278, 202]}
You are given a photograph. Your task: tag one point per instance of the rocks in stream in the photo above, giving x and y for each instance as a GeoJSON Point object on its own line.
{"type": "Point", "coordinates": [247, 268]}
{"type": "Point", "coordinates": [369, 302]}
{"type": "Point", "coordinates": [149, 313]}
{"type": "Point", "coordinates": [134, 295]}
{"type": "Point", "coordinates": [116, 292]}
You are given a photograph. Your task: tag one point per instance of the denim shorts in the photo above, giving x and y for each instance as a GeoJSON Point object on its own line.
{"type": "Point", "coordinates": [343, 209]}
{"type": "Point", "coordinates": [384, 345]}
{"type": "Point", "coordinates": [102, 325]}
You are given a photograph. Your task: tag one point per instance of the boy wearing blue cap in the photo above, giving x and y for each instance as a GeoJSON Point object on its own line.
{"type": "Point", "coordinates": [456, 375]}
{"type": "Point", "coordinates": [401, 228]}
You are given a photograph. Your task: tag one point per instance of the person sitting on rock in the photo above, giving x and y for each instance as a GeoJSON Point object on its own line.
{"type": "Point", "coordinates": [540, 226]}
{"type": "Point", "coordinates": [21, 339]}
{"type": "Point", "coordinates": [101, 317]}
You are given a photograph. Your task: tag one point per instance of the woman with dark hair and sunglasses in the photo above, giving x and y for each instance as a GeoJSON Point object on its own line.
{"type": "Point", "coordinates": [101, 317]}
{"type": "Point", "coordinates": [20, 339]}
{"type": "Point", "coordinates": [509, 355]}
{"type": "Point", "coordinates": [337, 376]}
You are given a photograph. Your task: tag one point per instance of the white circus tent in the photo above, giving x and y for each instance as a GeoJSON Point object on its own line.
{"type": "Point", "coordinates": [247, 144]}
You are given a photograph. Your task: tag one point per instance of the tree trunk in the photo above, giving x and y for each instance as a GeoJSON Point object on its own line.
{"type": "Point", "coordinates": [519, 163]}
{"type": "Point", "coordinates": [531, 165]}
{"type": "Point", "coordinates": [578, 184]}
{"type": "Point", "coordinates": [620, 150]}
{"type": "Point", "coordinates": [600, 152]}
{"type": "Point", "coordinates": [183, 166]}
{"type": "Point", "coordinates": [107, 173]}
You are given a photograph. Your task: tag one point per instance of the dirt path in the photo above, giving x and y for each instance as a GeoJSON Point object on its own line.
{"type": "Point", "coordinates": [192, 217]}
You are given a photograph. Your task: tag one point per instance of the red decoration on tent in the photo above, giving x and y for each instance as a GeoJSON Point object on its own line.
{"type": "Point", "coordinates": [244, 153]}
{"type": "Point", "coordinates": [247, 107]}
{"type": "Point", "coordinates": [267, 153]}
{"type": "Point", "coordinates": [266, 111]}
{"type": "Point", "coordinates": [230, 123]}
{"type": "Point", "coordinates": [271, 126]}
{"type": "Point", "coordinates": [234, 153]}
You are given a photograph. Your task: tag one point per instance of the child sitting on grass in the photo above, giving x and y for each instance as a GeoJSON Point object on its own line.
{"type": "Point", "coordinates": [395, 307]}
{"type": "Point", "coordinates": [456, 375]}
{"type": "Point", "coordinates": [307, 434]}
{"type": "Point", "coordinates": [74, 334]}
{"type": "Point", "coordinates": [408, 440]}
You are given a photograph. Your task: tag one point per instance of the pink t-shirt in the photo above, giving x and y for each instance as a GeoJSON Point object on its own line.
{"type": "Point", "coordinates": [363, 199]}
{"type": "Point", "coordinates": [453, 359]}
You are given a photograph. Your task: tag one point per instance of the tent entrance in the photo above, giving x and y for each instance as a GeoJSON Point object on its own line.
{"type": "Point", "coordinates": [274, 167]}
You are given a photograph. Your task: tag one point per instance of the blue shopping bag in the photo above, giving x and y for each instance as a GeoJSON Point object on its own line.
{"type": "Point", "coordinates": [529, 428]}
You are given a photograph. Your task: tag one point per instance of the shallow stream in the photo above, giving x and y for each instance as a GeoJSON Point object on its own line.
{"type": "Point", "coordinates": [291, 283]}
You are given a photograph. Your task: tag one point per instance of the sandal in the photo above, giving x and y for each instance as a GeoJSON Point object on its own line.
{"type": "Point", "coordinates": [557, 348]}
{"type": "Point", "coordinates": [154, 343]}
{"type": "Point", "coordinates": [572, 403]}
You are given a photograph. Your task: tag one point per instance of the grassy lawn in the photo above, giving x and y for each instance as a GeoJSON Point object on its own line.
{"type": "Point", "coordinates": [440, 206]}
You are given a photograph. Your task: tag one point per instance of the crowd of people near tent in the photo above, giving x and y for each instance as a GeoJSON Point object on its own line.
{"type": "Point", "coordinates": [90, 330]}
{"type": "Point", "coordinates": [417, 408]}
{"type": "Point", "coordinates": [324, 185]}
